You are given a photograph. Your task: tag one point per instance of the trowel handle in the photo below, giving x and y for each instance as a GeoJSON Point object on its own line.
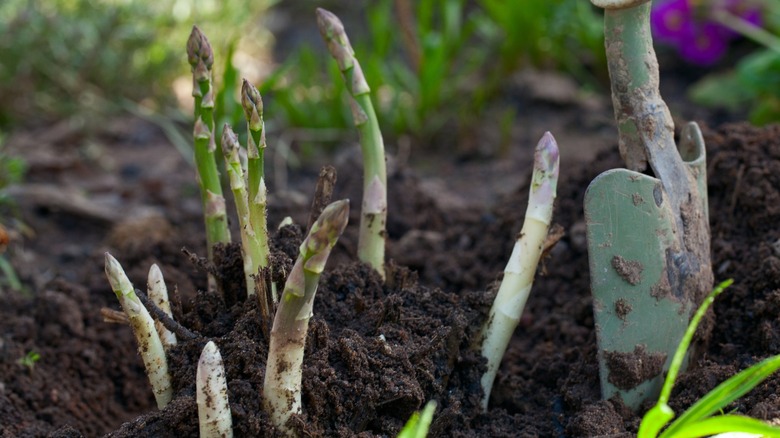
{"type": "Point", "coordinates": [644, 123]}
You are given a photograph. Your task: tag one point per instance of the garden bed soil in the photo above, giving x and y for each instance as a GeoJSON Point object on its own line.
{"type": "Point", "coordinates": [376, 352]}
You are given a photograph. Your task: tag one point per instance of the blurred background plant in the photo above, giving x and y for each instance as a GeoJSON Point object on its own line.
{"type": "Point", "coordinates": [436, 64]}
{"type": "Point", "coordinates": [433, 65]}
{"type": "Point", "coordinates": [88, 58]}
{"type": "Point", "coordinates": [12, 171]}
{"type": "Point", "coordinates": [710, 33]}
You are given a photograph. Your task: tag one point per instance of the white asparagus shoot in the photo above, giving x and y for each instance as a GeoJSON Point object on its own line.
{"type": "Point", "coordinates": [521, 268]}
{"type": "Point", "coordinates": [214, 415]}
{"type": "Point", "coordinates": [282, 386]}
{"type": "Point", "coordinates": [150, 346]}
{"type": "Point", "coordinates": [158, 293]}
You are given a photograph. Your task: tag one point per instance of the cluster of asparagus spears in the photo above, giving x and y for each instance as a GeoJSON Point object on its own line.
{"type": "Point", "coordinates": [293, 309]}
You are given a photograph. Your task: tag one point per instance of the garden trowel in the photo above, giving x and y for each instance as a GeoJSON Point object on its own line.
{"type": "Point", "coordinates": [648, 235]}
{"type": "Point", "coordinates": [641, 273]}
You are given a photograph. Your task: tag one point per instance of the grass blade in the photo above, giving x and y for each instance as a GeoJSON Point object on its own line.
{"type": "Point", "coordinates": [725, 424]}
{"type": "Point", "coordinates": [724, 394]}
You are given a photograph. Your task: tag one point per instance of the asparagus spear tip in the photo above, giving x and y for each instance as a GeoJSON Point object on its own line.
{"type": "Point", "coordinates": [158, 293]}
{"type": "Point", "coordinates": [212, 395]}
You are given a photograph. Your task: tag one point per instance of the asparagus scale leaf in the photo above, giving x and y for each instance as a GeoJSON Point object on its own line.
{"type": "Point", "coordinates": [521, 268]}
{"type": "Point", "coordinates": [373, 217]}
{"type": "Point", "coordinates": [282, 386]}
{"type": "Point", "coordinates": [150, 347]}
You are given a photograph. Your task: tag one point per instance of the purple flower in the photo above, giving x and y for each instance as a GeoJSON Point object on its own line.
{"type": "Point", "coordinates": [703, 43]}
{"type": "Point", "coordinates": [688, 25]}
{"type": "Point", "coordinates": [670, 19]}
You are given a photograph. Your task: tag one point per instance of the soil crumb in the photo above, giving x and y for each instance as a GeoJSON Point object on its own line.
{"type": "Point", "coordinates": [627, 370]}
{"type": "Point", "coordinates": [629, 270]}
{"type": "Point", "coordinates": [623, 308]}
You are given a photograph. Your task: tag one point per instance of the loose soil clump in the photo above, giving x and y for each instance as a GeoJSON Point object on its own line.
{"type": "Point", "coordinates": [378, 351]}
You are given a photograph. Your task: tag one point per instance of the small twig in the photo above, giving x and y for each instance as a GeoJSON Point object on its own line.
{"type": "Point", "coordinates": [322, 193]}
{"type": "Point", "coordinates": [201, 262]}
{"type": "Point", "coordinates": [266, 304]}
{"type": "Point", "coordinates": [112, 316]}
{"type": "Point", "coordinates": [167, 321]}
{"type": "Point", "coordinates": [175, 299]}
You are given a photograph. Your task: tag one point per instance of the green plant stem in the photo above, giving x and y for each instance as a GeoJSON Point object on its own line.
{"type": "Point", "coordinates": [520, 270]}
{"type": "Point", "coordinates": [201, 59]}
{"type": "Point", "coordinates": [373, 218]}
{"type": "Point", "coordinates": [743, 27]}
{"type": "Point", "coordinates": [211, 394]}
{"type": "Point", "coordinates": [150, 346]}
{"type": "Point", "coordinates": [252, 103]}
{"type": "Point", "coordinates": [282, 386]}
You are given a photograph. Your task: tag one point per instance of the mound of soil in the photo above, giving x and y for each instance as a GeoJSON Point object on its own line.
{"type": "Point", "coordinates": [378, 351]}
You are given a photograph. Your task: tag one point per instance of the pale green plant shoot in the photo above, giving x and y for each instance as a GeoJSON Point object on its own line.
{"type": "Point", "coordinates": [699, 419]}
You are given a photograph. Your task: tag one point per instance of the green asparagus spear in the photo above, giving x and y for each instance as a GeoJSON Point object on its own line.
{"type": "Point", "coordinates": [373, 217]}
{"type": "Point", "coordinates": [201, 58]}
{"type": "Point", "coordinates": [252, 103]}
{"type": "Point", "coordinates": [282, 386]}
{"type": "Point", "coordinates": [251, 245]}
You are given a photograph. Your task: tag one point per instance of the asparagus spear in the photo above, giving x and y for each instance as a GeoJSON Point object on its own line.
{"type": "Point", "coordinates": [251, 245]}
{"type": "Point", "coordinates": [282, 386]}
{"type": "Point", "coordinates": [519, 273]}
{"type": "Point", "coordinates": [252, 103]}
{"type": "Point", "coordinates": [212, 395]}
{"type": "Point", "coordinates": [158, 293]}
{"type": "Point", "coordinates": [201, 58]}
{"type": "Point", "coordinates": [373, 217]}
{"type": "Point", "coordinates": [150, 346]}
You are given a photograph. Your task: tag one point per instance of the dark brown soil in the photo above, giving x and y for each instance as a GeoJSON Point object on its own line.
{"type": "Point", "coordinates": [376, 352]}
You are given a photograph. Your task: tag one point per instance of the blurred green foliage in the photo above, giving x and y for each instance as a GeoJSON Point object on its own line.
{"type": "Point", "coordinates": [435, 63]}
{"type": "Point", "coordinates": [754, 82]}
{"type": "Point", "coordinates": [60, 58]}
{"type": "Point", "coordinates": [12, 168]}
{"type": "Point", "coordinates": [565, 35]}
{"type": "Point", "coordinates": [432, 64]}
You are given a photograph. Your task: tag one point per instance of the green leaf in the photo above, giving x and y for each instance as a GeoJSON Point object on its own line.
{"type": "Point", "coordinates": [722, 90]}
{"type": "Point", "coordinates": [679, 354]}
{"type": "Point", "coordinates": [654, 420]}
{"type": "Point", "coordinates": [724, 424]}
{"type": "Point", "coordinates": [418, 424]}
{"type": "Point", "coordinates": [724, 394]}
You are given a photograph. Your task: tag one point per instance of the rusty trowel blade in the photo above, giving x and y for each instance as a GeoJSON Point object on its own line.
{"type": "Point", "coordinates": [631, 239]}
